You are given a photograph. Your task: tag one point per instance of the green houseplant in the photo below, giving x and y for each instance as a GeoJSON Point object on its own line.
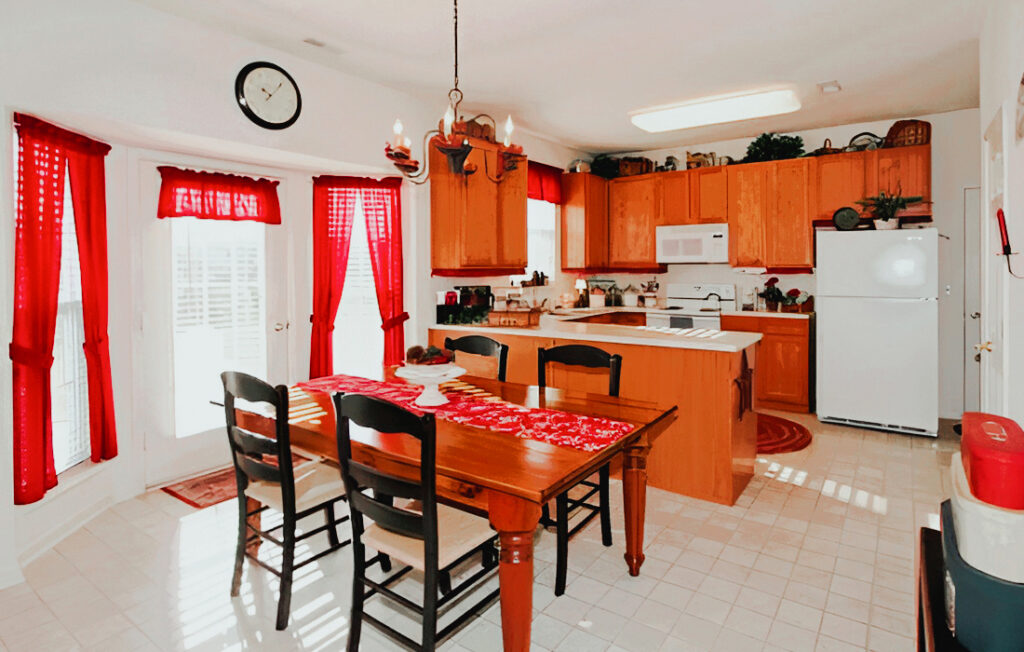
{"type": "Point", "coordinates": [774, 147]}
{"type": "Point", "coordinates": [885, 207]}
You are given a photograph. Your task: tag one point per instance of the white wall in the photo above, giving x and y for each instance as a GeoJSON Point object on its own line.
{"type": "Point", "coordinates": [137, 77]}
{"type": "Point", "coordinates": [1002, 64]}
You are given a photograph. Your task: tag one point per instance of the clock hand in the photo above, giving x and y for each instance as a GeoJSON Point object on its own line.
{"type": "Point", "coordinates": [275, 90]}
{"type": "Point", "coordinates": [269, 95]}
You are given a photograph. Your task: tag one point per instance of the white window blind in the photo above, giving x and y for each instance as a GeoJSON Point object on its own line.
{"type": "Point", "coordinates": [69, 388]}
{"type": "Point", "coordinates": [219, 313]}
{"type": "Point", "coordinates": [358, 339]}
{"type": "Point", "coordinates": [540, 239]}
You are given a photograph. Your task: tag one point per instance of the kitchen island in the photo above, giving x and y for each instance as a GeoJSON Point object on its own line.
{"type": "Point", "coordinates": [708, 452]}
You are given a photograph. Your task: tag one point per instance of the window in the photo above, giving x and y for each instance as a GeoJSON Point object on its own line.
{"type": "Point", "coordinates": [540, 239]}
{"type": "Point", "coordinates": [358, 339]}
{"type": "Point", "coordinates": [69, 387]}
{"type": "Point", "coordinates": [219, 314]}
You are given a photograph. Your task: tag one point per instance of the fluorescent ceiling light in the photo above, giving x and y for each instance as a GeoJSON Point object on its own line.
{"type": "Point", "coordinates": [716, 110]}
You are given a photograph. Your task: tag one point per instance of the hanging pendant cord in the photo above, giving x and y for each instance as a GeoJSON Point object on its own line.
{"type": "Point", "coordinates": [455, 22]}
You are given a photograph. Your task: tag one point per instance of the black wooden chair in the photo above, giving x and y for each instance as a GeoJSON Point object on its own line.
{"type": "Point", "coordinates": [585, 356]}
{"type": "Point", "coordinates": [264, 471]}
{"type": "Point", "coordinates": [480, 345]}
{"type": "Point", "coordinates": [418, 532]}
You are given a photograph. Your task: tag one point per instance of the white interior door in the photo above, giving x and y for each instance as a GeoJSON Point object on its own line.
{"type": "Point", "coordinates": [973, 227]}
{"type": "Point", "coordinates": [215, 300]}
{"type": "Point", "coordinates": [993, 269]}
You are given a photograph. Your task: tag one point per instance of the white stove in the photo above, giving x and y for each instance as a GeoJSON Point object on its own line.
{"type": "Point", "coordinates": [694, 306]}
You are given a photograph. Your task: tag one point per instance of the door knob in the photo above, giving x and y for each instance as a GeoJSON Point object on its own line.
{"type": "Point", "coordinates": [975, 315]}
{"type": "Point", "coordinates": [987, 346]}
{"type": "Point", "coordinates": [280, 327]}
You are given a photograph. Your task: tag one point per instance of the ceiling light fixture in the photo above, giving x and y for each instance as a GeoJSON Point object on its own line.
{"type": "Point", "coordinates": [829, 87]}
{"type": "Point", "coordinates": [716, 110]}
{"type": "Point", "coordinates": [451, 138]}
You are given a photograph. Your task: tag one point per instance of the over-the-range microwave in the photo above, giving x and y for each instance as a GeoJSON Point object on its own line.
{"type": "Point", "coordinates": [693, 243]}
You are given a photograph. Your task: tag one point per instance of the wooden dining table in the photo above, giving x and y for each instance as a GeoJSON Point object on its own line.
{"type": "Point", "coordinates": [500, 475]}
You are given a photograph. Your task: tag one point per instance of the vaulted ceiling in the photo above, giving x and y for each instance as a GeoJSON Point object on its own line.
{"type": "Point", "coordinates": [572, 70]}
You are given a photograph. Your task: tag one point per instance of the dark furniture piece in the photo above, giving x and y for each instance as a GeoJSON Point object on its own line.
{"type": "Point", "coordinates": [419, 532]}
{"type": "Point", "coordinates": [932, 633]}
{"type": "Point", "coordinates": [264, 472]}
{"type": "Point", "coordinates": [480, 345]}
{"type": "Point", "coordinates": [585, 356]}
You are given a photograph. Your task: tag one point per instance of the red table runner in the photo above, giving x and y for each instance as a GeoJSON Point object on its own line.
{"type": "Point", "coordinates": [471, 406]}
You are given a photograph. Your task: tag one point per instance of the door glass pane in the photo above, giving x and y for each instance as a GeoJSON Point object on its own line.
{"type": "Point", "coordinates": [358, 339]}
{"type": "Point", "coordinates": [540, 239]}
{"type": "Point", "coordinates": [219, 312]}
{"type": "Point", "coordinates": [69, 389]}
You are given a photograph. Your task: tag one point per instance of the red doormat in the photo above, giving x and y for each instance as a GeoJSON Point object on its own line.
{"type": "Point", "coordinates": [214, 487]}
{"type": "Point", "coordinates": [778, 435]}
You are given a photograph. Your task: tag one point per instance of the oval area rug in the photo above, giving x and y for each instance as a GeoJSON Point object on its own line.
{"type": "Point", "coordinates": [778, 435]}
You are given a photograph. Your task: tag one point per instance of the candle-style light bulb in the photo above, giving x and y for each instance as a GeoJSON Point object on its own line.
{"type": "Point", "coordinates": [449, 120]}
{"type": "Point", "coordinates": [397, 128]}
{"type": "Point", "coordinates": [509, 128]}
{"type": "Point", "coordinates": [407, 142]}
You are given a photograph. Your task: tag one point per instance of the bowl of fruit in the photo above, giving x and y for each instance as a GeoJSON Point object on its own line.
{"type": "Point", "coordinates": [429, 367]}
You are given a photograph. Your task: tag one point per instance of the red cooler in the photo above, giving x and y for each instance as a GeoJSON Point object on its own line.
{"type": "Point", "coordinates": [993, 455]}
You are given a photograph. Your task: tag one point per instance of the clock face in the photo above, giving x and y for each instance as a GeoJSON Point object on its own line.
{"type": "Point", "coordinates": [268, 95]}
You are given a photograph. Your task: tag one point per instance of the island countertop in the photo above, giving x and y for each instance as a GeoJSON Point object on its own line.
{"type": "Point", "coordinates": [563, 326]}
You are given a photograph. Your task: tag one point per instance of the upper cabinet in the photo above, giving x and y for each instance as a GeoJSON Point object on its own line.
{"type": "Point", "coordinates": [584, 221]}
{"type": "Point", "coordinates": [839, 180]}
{"type": "Point", "coordinates": [634, 208]}
{"type": "Point", "coordinates": [789, 240]}
{"type": "Point", "coordinates": [906, 171]}
{"type": "Point", "coordinates": [709, 199]}
{"type": "Point", "coordinates": [478, 227]}
{"type": "Point", "coordinates": [675, 198]}
{"type": "Point", "coordinates": [750, 188]}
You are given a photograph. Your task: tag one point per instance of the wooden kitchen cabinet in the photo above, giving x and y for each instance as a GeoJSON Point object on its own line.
{"type": "Point", "coordinates": [478, 227]}
{"type": "Point", "coordinates": [709, 195]}
{"type": "Point", "coordinates": [782, 373]}
{"type": "Point", "coordinates": [584, 222]}
{"type": "Point", "coordinates": [839, 180]}
{"type": "Point", "coordinates": [749, 192]}
{"type": "Point", "coordinates": [634, 207]}
{"type": "Point", "coordinates": [789, 234]}
{"type": "Point", "coordinates": [675, 198]}
{"type": "Point", "coordinates": [903, 170]}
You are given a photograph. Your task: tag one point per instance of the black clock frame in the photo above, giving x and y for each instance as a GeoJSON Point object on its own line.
{"type": "Point", "coordinates": [244, 105]}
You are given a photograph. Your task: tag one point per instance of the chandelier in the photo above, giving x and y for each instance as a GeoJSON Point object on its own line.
{"type": "Point", "coordinates": [451, 138]}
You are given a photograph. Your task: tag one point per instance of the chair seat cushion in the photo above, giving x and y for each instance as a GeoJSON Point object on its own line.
{"type": "Point", "coordinates": [315, 483]}
{"type": "Point", "coordinates": [458, 532]}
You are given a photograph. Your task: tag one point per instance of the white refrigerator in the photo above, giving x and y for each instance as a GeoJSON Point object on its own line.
{"type": "Point", "coordinates": [878, 329]}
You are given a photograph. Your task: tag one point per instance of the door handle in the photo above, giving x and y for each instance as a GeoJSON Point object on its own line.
{"type": "Point", "coordinates": [280, 327]}
{"type": "Point", "coordinates": [987, 346]}
{"type": "Point", "coordinates": [975, 315]}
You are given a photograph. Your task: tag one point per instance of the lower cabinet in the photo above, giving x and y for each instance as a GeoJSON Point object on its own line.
{"type": "Point", "coordinates": [783, 373]}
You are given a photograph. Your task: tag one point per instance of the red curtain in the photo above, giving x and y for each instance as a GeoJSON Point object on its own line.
{"type": "Point", "coordinates": [44, 151]}
{"type": "Point", "coordinates": [217, 196]}
{"type": "Point", "coordinates": [333, 209]}
{"type": "Point", "coordinates": [334, 200]}
{"type": "Point", "coordinates": [382, 206]}
{"type": "Point", "coordinates": [544, 182]}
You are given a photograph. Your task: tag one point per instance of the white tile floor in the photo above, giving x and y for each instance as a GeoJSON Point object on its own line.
{"type": "Point", "coordinates": [818, 554]}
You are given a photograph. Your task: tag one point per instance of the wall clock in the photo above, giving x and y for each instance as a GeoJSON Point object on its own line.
{"type": "Point", "coordinates": [268, 95]}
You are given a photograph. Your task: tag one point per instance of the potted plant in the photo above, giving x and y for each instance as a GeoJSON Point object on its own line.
{"type": "Point", "coordinates": [771, 294]}
{"type": "Point", "coordinates": [885, 208]}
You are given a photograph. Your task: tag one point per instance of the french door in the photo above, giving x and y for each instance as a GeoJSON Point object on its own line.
{"type": "Point", "coordinates": [215, 300]}
{"type": "Point", "coordinates": [993, 268]}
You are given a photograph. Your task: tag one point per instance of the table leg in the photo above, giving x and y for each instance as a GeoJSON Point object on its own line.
{"type": "Point", "coordinates": [634, 498]}
{"type": "Point", "coordinates": [515, 519]}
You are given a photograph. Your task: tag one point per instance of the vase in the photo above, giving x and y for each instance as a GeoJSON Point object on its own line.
{"type": "Point", "coordinates": [790, 307]}
{"type": "Point", "coordinates": [887, 225]}
{"type": "Point", "coordinates": [772, 306]}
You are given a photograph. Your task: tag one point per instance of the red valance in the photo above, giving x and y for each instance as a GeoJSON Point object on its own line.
{"type": "Point", "coordinates": [217, 196]}
{"type": "Point", "coordinates": [37, 130]}
{"type": "Point", "coordinates": [544, 182]}
{"type": "Point", "coordinates": [333, 181]}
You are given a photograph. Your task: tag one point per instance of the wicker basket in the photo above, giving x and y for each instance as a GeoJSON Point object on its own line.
{"type": "Point", "coordinates": [826, 149]}
{"type": "Point", "coordinates": [631, 165]}
{"type": "Point", "coordinates": [905, 133]}
{"type": "Point", "coordinates": [513, 318]}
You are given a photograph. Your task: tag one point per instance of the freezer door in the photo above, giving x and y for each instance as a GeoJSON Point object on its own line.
{"type": "Point", "coordinates": [877, 361]}
{"type": "Point", "coordinates": [901, 263]}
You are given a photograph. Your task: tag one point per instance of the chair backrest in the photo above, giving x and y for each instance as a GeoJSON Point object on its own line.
{"type": "Point", "coordinates": [581, 355]}
{"type": "Point", "coordinates": [385, 417]}
{"type": "Point", "coordinates": [480, 345]}
{"type": "Point", "coordinates": [256, 457]}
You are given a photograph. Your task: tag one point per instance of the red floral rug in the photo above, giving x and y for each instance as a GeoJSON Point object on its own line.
{"type": "Point", "coordinates": [778, 435]}
{"type": "Point", "coordinates": [206, 490]}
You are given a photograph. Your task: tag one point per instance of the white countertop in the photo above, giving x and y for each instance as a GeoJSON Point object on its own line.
{"type": "Point", "coordinates": [765, 313]}
{"type": "Point", "coordinates": [561, 326]}
{"type": "Point", "coordinates": [583, 312]}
